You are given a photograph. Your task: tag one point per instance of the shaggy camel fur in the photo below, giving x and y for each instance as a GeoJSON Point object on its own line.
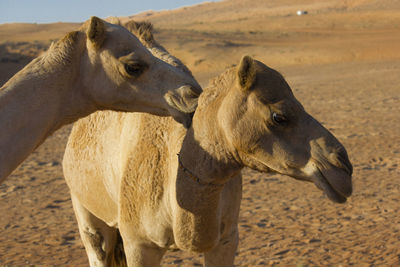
{"type": "Point", "coordinates": [163, 186]}
{"type": "Point", "coordinates": [100, 66]}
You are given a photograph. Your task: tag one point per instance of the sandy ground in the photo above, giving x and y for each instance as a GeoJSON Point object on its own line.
{"type": "Point", "coordinates": [342, 61]}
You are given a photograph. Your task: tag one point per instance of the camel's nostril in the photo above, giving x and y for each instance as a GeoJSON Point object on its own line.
{"type": "Point", "coordinates": [195, 91]}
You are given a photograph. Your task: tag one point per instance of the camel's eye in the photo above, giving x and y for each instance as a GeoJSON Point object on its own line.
{"type": "Point", "coordinates": [279, 118]}
{"type": "Point", "coordinates": [134, 69]}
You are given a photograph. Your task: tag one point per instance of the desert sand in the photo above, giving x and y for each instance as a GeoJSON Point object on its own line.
{"type": "Point", "coordinates": [342, 61]}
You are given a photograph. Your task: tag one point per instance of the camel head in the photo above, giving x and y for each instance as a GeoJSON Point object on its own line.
{"type": "Point", "coordinates": [121, 74]}
{"type": "Point", "coordinates": [269, 130]}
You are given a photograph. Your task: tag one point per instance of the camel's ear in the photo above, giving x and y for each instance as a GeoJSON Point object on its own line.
{"type": "Point", "coordinates": [246, 73]}
{"type": "Point", "coordinates": [96, 31]}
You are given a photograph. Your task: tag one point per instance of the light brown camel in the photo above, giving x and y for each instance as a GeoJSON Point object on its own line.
{"type": "Point", "coordinates": [100, 66]}
{"type": "Point", "coordinates": [164, 187]}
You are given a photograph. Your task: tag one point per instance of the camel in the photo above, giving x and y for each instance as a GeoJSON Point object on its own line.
{"type": "Point", "coordinates": [147, 184]}
{"type": "Point", "coordinates": [100, 66]}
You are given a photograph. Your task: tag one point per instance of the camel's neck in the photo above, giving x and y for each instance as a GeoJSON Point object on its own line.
{"type": "Point", "coordinates": [33, 104]}
{"type": "Point", "coordinates": [206, 155]}
{"type": "Point", "coordinates": [160, 52]}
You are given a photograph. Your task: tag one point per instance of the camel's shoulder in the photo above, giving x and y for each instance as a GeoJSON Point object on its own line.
{"type": "Point", "coordinates": [93, 126]}
{"type": "Point", "coordinates": [150, 135]}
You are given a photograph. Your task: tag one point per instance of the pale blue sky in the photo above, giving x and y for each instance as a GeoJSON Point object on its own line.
{"type": "Point", "coordinates": [46, 11]}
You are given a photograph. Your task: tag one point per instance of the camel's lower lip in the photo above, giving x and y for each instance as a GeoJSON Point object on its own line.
{"type": "Point", "coordinates": [317, 176]}
{"type": "Point", "coordinates": [183, 118]}
{"type": "Point", "coordinates": [323, 184]}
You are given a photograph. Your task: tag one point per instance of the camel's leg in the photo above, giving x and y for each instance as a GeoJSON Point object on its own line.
{"type": "Point", "coordinates": [223, 254]}
{"type": "Point", "coordinates": [139, 255]}
{"type": "Point", "coordinates": [98, 238]}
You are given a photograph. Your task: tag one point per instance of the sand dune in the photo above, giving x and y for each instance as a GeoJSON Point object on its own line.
{"type": "Point", "coordinates": [342, 60]}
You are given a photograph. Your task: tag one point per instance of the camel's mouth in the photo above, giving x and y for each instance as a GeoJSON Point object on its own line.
{"type": "Point", "coordinates": [182, 106]}
{"type": "Point", "coordinates": [184, 118]}
{"type": "Point", "coordinates": [335, 182]}
{"type": "Point", "coordinates": [329, 184]}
